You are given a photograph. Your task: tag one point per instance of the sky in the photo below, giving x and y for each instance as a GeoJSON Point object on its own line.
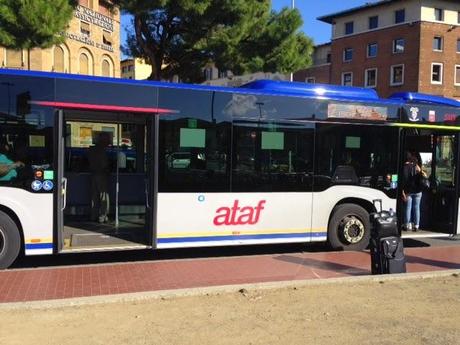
{"type": "Point", "coordinates": [309, 9]}
{"type": "Point", "coordinates": [312, 9]}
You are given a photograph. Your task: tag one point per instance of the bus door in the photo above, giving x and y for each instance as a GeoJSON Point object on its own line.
{"type": "Point", "coordinates": [438, 153]}
{"type": "Point", "coordinates": [105, 166]}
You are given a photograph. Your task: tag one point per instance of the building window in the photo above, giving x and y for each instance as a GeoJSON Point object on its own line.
{"type": "Point", "coordinates": [347, 79]}
{"type": "Point", "coordinates": [106, 38]}
{"type": "Point", "coordinates": [436, 73]}
{"type": "Point", "coordinates": [400, 16]}
{"type": "Point", "coordinates": [397, 75]}
{"type": "Point", "coordinates": [85, 29]}
{"type": "Point", "coordinates": [373, 22]}
{"type": "Point", "coordinates": [458, 17]}
{"type": "Point", "coordinates": [398, 45]}
{"type": "Point", "coordinates": [310, 80]}
{"type": "Point", "coordinates": [437, 43]}
{"type": "Point", "coordinates": [208, 75]}
{"type": "Point", "coordinates": [104, 8]}
{"type": "Point", "coordinates": [349, 28]}
{"type": "Point", "coordinates": [458, 46]}
{"type": "Point", "coordinates": [370, 77]}
{"type": "Point", "coordinates": [86, 3]}
{"type": "Point", "coordinates": [59, 63]}
{"type": "Point", "coordinates": [439, 14]}
{"type": "Point", "coordinates": [457, 75]}
{"type": "Point", "coordinates": [106, 68]}
{"type": "Point", "coordinates": [347, 54]}
{"type": "Point", "coordinates": [84, 64]}
{"type": "Point", "coordinates": [372, 50]}
{"type": "Point", "coordinates": [328, 58]}
{"type": "Point", "coordinates": [123, 69]}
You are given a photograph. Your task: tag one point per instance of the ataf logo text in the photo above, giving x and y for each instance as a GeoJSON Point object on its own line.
{"type": "Point", "coordinates": [237, 215]}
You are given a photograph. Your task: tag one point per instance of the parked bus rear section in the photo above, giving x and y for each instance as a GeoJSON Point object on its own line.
{"type": "Point", "coordinates": [98, 164]}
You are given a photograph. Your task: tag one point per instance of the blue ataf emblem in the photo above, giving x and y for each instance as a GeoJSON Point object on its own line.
{"type": "Point", "coordinates": [36, 185]}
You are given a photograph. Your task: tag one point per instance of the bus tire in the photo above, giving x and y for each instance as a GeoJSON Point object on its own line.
{"type": "Point", "coordinates": [349, 228]}
{"type": "Point", "coordinates": [10, 241]}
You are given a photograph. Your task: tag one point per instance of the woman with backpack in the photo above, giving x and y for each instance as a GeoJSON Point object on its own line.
{"type": "Point", "coordinates": [413, 177]}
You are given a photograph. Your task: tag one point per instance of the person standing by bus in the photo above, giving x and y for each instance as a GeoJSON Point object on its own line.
{"type": "Point", "coordinates": [412, 191]}
{"type": "Point", "coordinates": [100, 173]}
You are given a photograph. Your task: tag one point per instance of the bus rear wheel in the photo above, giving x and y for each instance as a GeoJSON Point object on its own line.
{"type": "Point", "coordinates": [349, 228]}
{"type": "Point", "coordinates": [10, 241]}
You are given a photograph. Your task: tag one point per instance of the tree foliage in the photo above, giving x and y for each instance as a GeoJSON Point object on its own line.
{"type": "Point", "coordinates": [179, 37]}
{"type": "Point", "coordinates": [27, 24]}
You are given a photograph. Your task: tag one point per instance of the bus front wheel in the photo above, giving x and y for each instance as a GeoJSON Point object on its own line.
{"type": "Point", "coordinates": [349, 228]}
{"type": "Point", "coordinates": [10, 241]}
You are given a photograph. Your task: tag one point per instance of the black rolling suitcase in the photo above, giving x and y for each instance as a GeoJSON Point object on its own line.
{"type": "Point", "coordinates": [386, 245]}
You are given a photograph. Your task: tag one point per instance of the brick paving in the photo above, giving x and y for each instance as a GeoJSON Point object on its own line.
{"type": "Point", "coordinates": [94, 280]}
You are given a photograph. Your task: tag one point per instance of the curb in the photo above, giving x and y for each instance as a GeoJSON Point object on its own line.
{"type": "Point", "coordinates": [216, 290]}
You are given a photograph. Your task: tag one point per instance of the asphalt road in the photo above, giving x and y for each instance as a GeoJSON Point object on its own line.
{"type": "Point", "coordinates": [190, 253]}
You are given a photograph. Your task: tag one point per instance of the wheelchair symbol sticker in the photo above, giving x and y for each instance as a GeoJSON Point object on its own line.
{"type": "Point", "coordinates": [36, 185]}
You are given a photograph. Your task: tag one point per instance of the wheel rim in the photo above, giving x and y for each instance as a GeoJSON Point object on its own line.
{"type": "Point", "coordinates": [352, 229]}
{"type": "Point", "coordinates": [2, 241]}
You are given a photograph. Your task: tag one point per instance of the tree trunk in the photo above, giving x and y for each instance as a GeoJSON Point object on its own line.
{"type": "Point", "coordinates": [28, 59]}
{"type": "Point", "coordinates": [146, 50]}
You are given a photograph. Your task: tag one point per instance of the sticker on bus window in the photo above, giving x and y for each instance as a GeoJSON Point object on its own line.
{"type": "Point", "coordinates": [356, 112]}
{"type": "Point", "coordinates": [48, 174]}
{"type": "Point", "coordinates": [192, 123]}
{"type": "Point", "coordinates": [352, 142]}
{"type": "Point", "coordinates": [36, 141]}
{"type": "Point", "coordinates": [272, 141]}
{"type": "Point", "coordinates": [192, 137]}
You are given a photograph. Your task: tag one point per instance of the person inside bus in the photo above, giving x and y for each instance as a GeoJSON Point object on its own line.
{"type": "Point", "coordinates": [99, 167]}
{"type": "Point", "coordinates": [7, 166]}
{"type": "Point", "coordinates": [412, 191]}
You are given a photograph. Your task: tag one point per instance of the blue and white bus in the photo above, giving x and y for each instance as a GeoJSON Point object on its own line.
{"type": "Point", "coordinates": [193, 165]}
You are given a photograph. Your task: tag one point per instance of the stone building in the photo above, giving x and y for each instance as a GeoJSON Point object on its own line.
{"type": "Point", "coordinates": [392, 46]}
{"type": "Point", "coordinates": [92, 45]}
{"type": "Point", "coordinates": [135, 68]}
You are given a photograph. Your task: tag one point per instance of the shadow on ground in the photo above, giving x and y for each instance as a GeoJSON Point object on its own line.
{"type": "Point", "coordinates": [163, 254]}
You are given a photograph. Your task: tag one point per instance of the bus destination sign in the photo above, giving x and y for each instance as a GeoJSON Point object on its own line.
{"type": "Point", "coordinates": [356, 112]}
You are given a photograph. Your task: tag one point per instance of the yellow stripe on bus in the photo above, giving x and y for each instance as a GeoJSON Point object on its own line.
{"type": "Point", "coordinates": [418, 125]}
{"type": "Point", "coordinates": [39, 240]}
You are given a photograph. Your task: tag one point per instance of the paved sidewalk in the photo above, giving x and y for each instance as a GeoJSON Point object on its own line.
{"type": "Point", "coordinates": [95, 280]}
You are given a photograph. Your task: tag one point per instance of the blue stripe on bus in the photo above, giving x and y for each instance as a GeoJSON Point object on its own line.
{"type": "Point", "coordinates": [39, 246]}
{"type": "Point", "coordinates": [239, 237]}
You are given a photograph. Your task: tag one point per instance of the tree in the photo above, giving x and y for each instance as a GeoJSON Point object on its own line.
{"type": "Point", "coordinates": [179, 37]}
{"type": "Point", "coordinates": [28, 24]}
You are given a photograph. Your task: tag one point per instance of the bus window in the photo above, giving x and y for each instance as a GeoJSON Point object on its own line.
{"type": "Point", "coordinates": [272, 157]}
{"type": "Point", "coordinates": [26, 135]}
{"type": "Point", "coordinates": [357, 155]}
{"type": "Point", "coordinates": [194, 145]}
{"type": "Point", "coordinates": [445, 159]}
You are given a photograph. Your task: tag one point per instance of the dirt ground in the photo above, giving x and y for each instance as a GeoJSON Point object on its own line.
{"type": "Point", "coordinates": [417, 311]}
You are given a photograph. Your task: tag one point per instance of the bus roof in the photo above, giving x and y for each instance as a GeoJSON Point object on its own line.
{"type": "Point", "coordinates": [314, 90]}
{"type": "Point", "coordinates": [416, 97]}
{"type": "Point", "coordinates": [268, 87]}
